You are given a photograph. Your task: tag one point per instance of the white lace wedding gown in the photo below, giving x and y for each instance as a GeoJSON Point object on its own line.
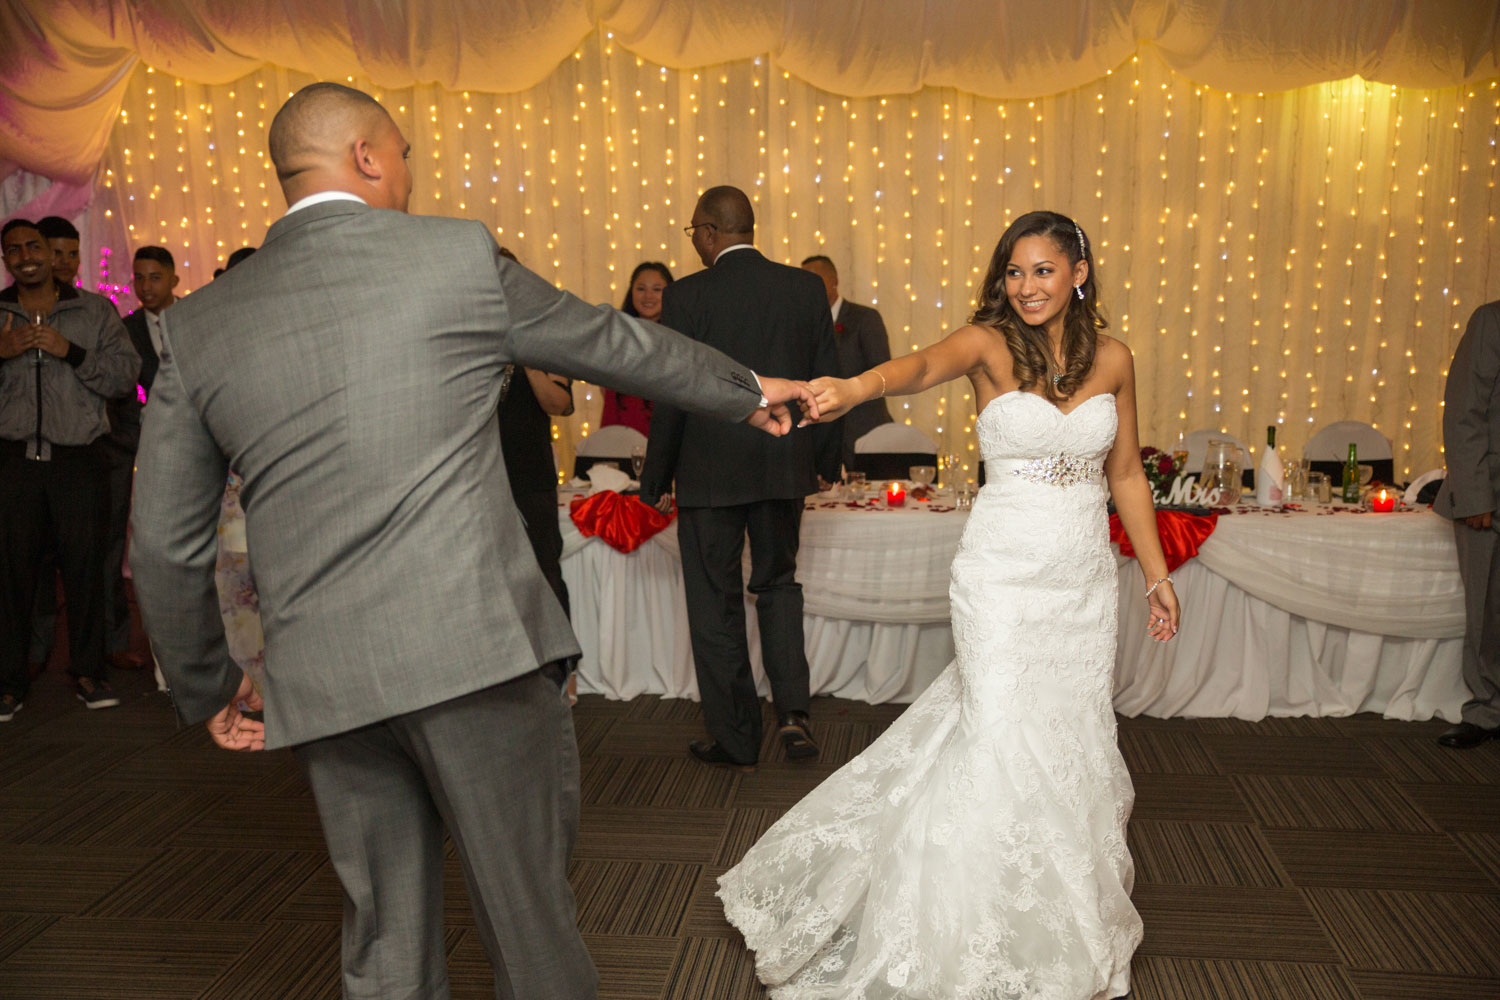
{"type": "Point", "coordinates": [977, 848]}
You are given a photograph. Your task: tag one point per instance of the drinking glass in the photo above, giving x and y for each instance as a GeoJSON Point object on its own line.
{"type": "Point", "coordinates": [948, 466]}
{"type": "Point", "coordinates": [1221, 471]}
{"type": "Point", "coordinates": [922, 475]}
{"type": "Point", "coordinates": [856, 482]}
{"type": "Point", "coordinates": [963, 497]}
{"type": "Point", "coordinates": [637, 460]}
{"type": "Point", "coordinates": [1319, 487]}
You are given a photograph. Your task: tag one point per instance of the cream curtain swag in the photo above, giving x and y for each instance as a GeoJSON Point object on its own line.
{"type": "Point", "coordinates": [65, 64]}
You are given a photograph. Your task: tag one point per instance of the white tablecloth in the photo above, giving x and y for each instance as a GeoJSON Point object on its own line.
{"type": "Point", "coordinates": [1285, 614]}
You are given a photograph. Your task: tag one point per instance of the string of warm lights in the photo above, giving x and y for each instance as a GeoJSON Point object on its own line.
{"type": "Point", "coordinates": [1291, 258]}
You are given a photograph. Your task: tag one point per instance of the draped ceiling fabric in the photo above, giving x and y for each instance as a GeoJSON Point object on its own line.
{"type": "Point", "coordinates": [1278, 239]}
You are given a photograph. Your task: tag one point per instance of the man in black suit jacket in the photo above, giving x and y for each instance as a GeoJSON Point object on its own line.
{"type": "Point", "coordinates": [774, 319]}
{"type": "Point", "coordinates": [860, 335]}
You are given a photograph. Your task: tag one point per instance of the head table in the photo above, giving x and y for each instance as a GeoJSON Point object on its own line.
{"type": "Point", "coordinates": [1319, 611]}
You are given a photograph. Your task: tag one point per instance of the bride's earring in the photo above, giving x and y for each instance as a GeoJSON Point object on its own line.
{"type": "Point", "coordinates": [1079, 290]}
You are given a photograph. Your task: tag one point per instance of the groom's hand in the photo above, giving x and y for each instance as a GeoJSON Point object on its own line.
{"type": "Point", "coordinates": [231, 729]}
{"type": "Point", "coordinates": [776, 419]}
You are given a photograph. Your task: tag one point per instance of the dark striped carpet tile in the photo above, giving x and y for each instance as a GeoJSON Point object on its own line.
{"type": "Point", "coordinates": [18, 928]}
{"type": "Point", "coordinates": [1193, 798]}
{"type": "Point", "coordinates": [1383, 930]}
{"type": "Point", "coordinates": [197, 884]}
{"type": "Point", "coordinates": [744, 827]}
{"type": "Point", "coordinates": [81, 959]}
{"type": "Point", "coordinates": [1410, 986]}
{"type": "Point", "coordinates": [690, 835]}
{"type": "Point", "coordinates": [1295, 726]}
{"type": "Point", "coordinates": [285, 780]}
{"type": "Point", "coordinates": [653, 709]}
{"type": "Point", "coordinates": [75, 764]}
{"type": "Point", "coordinates": [715, 968]}
{"type": "Point", "coordinates": [630, 968]}
{"type": "Point", "coordinates": [845, 710]}
{"type": "Point", "coordinates": [1157, 751]}
{"type": "Point", "coordinates": [317, 900]}
{"type": "Point", "coordinates": [23, 757]}
{"type": "Point", "coordinates": [591, 730]}
{"type": "Point", "coordinates": [779, 785]}
{"type": "Point", "coordinates": [1475, 809]}
{"type": "Point", "coordinates": [1313, 803]}
{"type": "Point", "coordinates": [52, 878]}
{"type": "Point", "coordinates": [289, 824]}
{"type": "Point", "coordinates": [1375, 860]}
{"type": "Point", "coordinates": [632, 897]}
{"type": "Point", "coordinates": [197, 770]}
{"type": "Point", "coordinates": [1230, 923]}
{"type": "Point", "coordinates": [1422, 760]}
{"type": "Point", "coordinates": [651, 738]}
{"type": "Point", "coordinates": [1316, 755]}
{"type": "Point", "coordinates": [1157, 978]}
{"type": "Point", "coordinates": [291, 961]}
{"type": "Point", "coordinates": [470, 975]}
{"type": "Point", "coordinates": [1367, 725]}
{"type": "Point", "coordinates": [1228, 854]}
{"type": "Point", "coordinates": [116, 818]}
{"type": "Point", "coordinates": [1484, 848]}
{"type": "Point", "coordinates": [705, 916]}
{"type": "Point", "coordinates": [676, 782]}
{"type": "Point", "coordinates": [139, 721]}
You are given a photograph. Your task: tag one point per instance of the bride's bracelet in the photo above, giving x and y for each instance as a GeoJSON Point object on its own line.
{"type": "Point", "coordinates": [1152, 589]}
{"type": "Point", "coordinates": [876, 373]}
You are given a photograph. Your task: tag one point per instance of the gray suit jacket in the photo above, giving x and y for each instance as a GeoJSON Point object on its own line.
{"type": "Point", "coordinates": [862, 342]}
{"type": "Point", "coordinates": [1471, 421]}
{"type": "Point", "coordinates": [350, 373]}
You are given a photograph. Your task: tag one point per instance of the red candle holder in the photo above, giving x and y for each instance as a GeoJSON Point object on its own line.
{"type": "Point", "coordinates": [895, 494]}
{"type": "Point", "coordinates": [1383, 502]}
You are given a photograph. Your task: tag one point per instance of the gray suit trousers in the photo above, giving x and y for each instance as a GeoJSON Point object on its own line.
{"type": "Point", "coordinates": [1479, 566]}
{"type": "Point", "coordinates": [499, 769]}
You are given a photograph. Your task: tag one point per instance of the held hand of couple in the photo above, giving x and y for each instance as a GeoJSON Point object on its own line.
{"type": "Point", "coordinates": [836, 396]}
{"type": "Point", "coordinates": [776, 419]}
{"type": "Point", "coordinates": [231, 730]}
{"type": "Point", "coordinates": [1165, 612]}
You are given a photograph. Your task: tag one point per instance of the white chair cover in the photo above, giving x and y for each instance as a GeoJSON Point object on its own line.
{"type": "Point", "coordinates": [614, 441]}
{"type": "Point", "coordinates": [1331, 444]}
{"type": "Point", "coordinates": [894, 437]}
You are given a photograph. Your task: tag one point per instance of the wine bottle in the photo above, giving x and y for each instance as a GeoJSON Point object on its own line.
{"type": "Point", "coordinates": [1351, 477]}
{"type": "Point", "coordinates": [1268, 478]}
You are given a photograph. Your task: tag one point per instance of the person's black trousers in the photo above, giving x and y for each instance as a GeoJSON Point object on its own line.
{"type": "Point", "coordinates": [64, 500]}
{"type": "Point", "coordinates": [712, 541]}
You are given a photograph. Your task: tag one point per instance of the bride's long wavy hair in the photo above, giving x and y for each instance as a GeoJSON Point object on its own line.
{"type": "Point", "coordinates": [1028, 344]}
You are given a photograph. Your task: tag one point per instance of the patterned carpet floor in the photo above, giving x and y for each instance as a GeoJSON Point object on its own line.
{"type": "Point", "coordinates": [1291, 859]}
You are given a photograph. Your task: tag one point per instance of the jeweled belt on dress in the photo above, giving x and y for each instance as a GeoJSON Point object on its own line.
{"type": "Point", "coordinates": [1050, 470]}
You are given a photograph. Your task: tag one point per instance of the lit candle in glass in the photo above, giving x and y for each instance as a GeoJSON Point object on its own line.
{"type": "Point", "coordinates": [895, 493]}
{"type": "Point", "coordinates": [1383, 502]}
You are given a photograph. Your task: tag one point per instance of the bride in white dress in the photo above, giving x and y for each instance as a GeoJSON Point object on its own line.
{"type": "Point", "coordinates": [977, 849]}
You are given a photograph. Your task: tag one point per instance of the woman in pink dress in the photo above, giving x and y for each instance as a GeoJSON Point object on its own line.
{"type": "Point", "coordinates": [642, 298]}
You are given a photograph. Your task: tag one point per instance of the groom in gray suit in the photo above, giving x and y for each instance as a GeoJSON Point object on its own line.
{"type": "Point", "coordinates": [350, 373]}
{"type": "Point", "coordinates": [1470, 498]}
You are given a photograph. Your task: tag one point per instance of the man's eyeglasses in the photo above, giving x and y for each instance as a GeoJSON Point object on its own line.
{"type": "Point", "coordinates": [701, 225]}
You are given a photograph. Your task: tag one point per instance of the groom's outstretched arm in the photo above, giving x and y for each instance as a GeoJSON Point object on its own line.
{"type": "Point", "coordinates": [553, 330]}
{"type": "Point", "coordinates": [179, 487]}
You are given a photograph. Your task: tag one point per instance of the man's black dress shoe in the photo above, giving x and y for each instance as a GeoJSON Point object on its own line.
{"type": "Point", "coordinates": [796, 736]}
{"type": "Point", "coordinates": [714, 755]}
{"type": "Point", "coordinates": [1467, 736]}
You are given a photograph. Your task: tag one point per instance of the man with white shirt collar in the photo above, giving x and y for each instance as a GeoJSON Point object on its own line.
{"type": "Point", "coordinates": [730, 484]}
{"type": "Point", "coordinates": [350, 372]}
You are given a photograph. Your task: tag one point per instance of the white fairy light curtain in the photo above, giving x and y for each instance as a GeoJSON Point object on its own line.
{"type": "Point", "coordinates": [1293, 257]}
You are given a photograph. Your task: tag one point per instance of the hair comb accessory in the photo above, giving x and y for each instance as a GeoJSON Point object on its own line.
{"type": "Point", "coordinates": [1083, 246]}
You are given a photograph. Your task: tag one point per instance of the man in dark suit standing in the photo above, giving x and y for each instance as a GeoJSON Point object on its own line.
{"type": "Point", "coordinates": [409, 632]}
{"type": "Point", "coordinates": [1470, 498]}
{"type": "Point", "coordinates": [862, 343]}
{"type": "Point", "coordinates": [774, 319]}
{"type": "Point", "coordinates": [154, 284]}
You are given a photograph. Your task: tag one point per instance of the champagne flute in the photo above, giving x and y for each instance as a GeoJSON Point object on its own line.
{"type": "Point", "coordinates": [38, 318]}
{"type": "Point", "coordinates": [637, 460]}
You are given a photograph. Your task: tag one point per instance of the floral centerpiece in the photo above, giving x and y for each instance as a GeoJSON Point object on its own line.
{"type": "Point", "coordinates": [1161, 471]}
